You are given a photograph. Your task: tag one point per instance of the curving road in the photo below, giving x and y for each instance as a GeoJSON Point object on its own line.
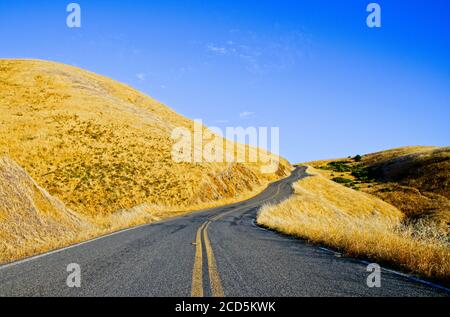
{"type": "Point", "coordinates": [219, 252]}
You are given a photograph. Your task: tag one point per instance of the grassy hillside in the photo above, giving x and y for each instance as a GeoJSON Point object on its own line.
{"type": "Point", "coordinates": [102, 153]}
{"type": "Point", "coordinates": [360, 225]}
{"type": "Point", "coordinates": [101, 146]}
{"type": "Point", "coordinates": [416, 180]}
{"type": "Point", "coordinates": [30, 219]}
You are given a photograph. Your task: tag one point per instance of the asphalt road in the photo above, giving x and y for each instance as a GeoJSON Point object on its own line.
{"type": "Point", "coordinates": [219, 252]}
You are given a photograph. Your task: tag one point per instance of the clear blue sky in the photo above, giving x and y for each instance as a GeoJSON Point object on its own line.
{"type": "Point", "coordinates": [313, 68]}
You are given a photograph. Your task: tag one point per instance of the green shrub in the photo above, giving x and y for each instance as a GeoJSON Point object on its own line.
{"type": "Point", "coordinates": [357, 158]}
{"type": "Point", "coordinates": [340, 167]}
{"type": "Point", "coordinates": [361, 173]}
{"type": "Point", "coordinates": [342, 180]}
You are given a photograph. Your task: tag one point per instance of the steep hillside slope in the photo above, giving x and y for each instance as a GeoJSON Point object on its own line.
{"type": "Point", "coordinates": [31, 220]}
{"type": "Point", "coordinates": [427, 169]}
{"type": "Point", "coordinates": [100, 146]}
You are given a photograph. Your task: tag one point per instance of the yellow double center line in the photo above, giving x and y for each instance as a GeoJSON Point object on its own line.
{"type": "Point", "coordinates": [197, 274]}
{"type": "Point", "coordinates": [197, 289]}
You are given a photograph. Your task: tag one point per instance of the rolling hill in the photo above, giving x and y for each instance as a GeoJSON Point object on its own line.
{"type": "Point", "coordinates": [101, 146]}
{"type": "Point", "coordinates": [103, 152]}
{"type": "Point", "coordinates": [416, 180]}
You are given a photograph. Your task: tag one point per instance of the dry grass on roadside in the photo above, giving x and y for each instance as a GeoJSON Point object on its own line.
{"type": "Point", "coordinates": [361, 225]}
{"type": "Point", "coordinates": [414, 179]}
{"type": "Point", "coordinates": [34, 222]}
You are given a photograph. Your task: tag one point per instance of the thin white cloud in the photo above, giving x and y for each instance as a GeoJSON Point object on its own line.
{"type": "Point", "coordinates": [261, 54]}
{"type": "Point", "coordinates": [141, 76]}
{"type": "Point", "coordinates": [217, 49]}
{"type": "Point", "coordinates": [246, 114]}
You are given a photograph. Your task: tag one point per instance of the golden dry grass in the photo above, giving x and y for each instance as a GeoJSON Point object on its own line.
{"type": "Point", "coordinates": [101, 146]}
{"type": "Point", "coordinates": [31, 220]}
{"type": "Point", "coordinates": [103, 153]}
{"type": "Point", "coordinates": [427, 169]}
{"type": "Point", "coordinates": [359, 224]}
{"type": "Point", "coordinates": [380, 156]}
{"type": "Point", "coordinates": [416, 180]}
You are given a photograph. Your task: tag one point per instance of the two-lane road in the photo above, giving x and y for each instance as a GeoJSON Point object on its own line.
{"type": "Point", "coordinates": [219, 252]}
